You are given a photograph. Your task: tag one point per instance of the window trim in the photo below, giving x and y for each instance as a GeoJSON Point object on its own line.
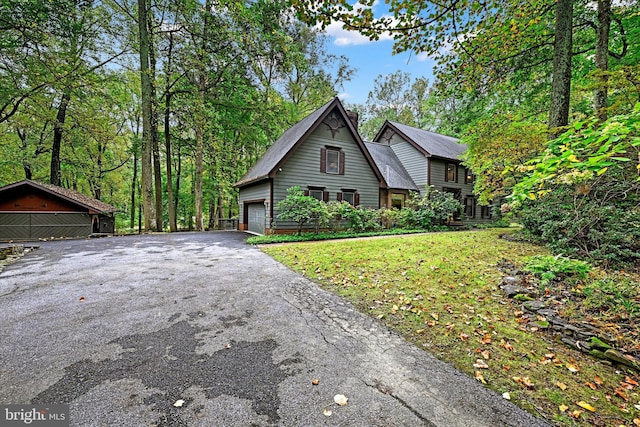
{"type": "Point", "coordinates": [469, 177]}
{"type": "Point", "coordinates": [446, 172]}
{"type": "Point", "coordinates": [324, 160]}
{"type": "Point", "coordinates": [472, 206]}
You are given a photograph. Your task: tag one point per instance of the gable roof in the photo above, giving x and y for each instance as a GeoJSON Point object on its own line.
{"type": "Point", "coordinates": [430, 143]}
{"type": "Point", "coordinates": [64, 193]}
{"type": "Point", "coordinates": [268, 164]}
{"type": "Point", "coordinates": [391, 167]}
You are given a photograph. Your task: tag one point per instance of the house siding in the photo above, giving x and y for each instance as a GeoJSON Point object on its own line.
{"type": "Point", "coordinates": [438, 171]}
{"type": "Point", "coordinates": [413, 161]}
{"type": "Point", "coordinates": [302, 168]}
{"type": "Point", "coordinates": [254, 192]}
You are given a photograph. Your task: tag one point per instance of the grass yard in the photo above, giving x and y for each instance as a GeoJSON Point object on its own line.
{"type": "Point", "coordinates": [441, 291]}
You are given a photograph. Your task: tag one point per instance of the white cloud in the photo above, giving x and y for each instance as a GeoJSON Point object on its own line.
{"type": "Point", "coordinates": [344, 37]}
{"type": "Point", "coordinates": [344, 95]}
{"type": "Point", "coordinates": [423, 56]}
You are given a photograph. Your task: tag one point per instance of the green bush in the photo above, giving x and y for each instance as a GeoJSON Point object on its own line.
{"type": "Point", "coordinates": [599, 221]}
{"type": "Point", "coordinates": [549, 268]}
{"type": "Point", "coordinates": [429, 211]}
{"type": "Point", "coordinates": [302, 209]}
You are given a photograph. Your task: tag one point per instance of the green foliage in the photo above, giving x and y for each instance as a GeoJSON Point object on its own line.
{"type": "Point", "coordinates": [582, 194]}
{"type": "Point", "coordinates": [429, 211]}
{"type": "Point", "coordinates": [603, 225]}
{"type": "Point", "coordinates": [586, 151]}
{"type": "Point", "coordinates": [302, 209]}
{"type": "Point", "coordinates": [615, 294]}
{"type": "Point", "coordinates": [549, 268]}
{"type": "Point", "coordinates": [359, 219]}
{"type": "Point", "coordinates": [308, 237]}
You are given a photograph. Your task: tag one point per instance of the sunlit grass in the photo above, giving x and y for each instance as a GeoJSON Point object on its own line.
{"type": "Point", "coordinates": [441, 291]}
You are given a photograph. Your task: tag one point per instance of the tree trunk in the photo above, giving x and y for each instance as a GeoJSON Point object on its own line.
{"type": "Point", "coordinates": [56, 174]}
{"type": "Point", "coordinates": [561, 83]}
{"type": "Point", "coordinates": [134, 182]}
{"type": "Point", "coordinates": [145, 79]}
{"type": "Point", "coordinates": [157, 171]}
{"type": "Point", "coordinates": [602, 59]}
{"type": "Point", "coordinates": [199, 225]}
{"type": "Point", "coordinates": [167, 139]}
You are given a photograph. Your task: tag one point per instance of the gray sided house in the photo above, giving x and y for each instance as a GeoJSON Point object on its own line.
{"type": "Point", "coordinates": [432, 159]}
{"type": "Point", "coordinates": [31, 210]}
{"type": "Point", "coordinates": [325, 156]}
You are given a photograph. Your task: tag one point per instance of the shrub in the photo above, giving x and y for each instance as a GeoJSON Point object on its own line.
{"type": "Point", "coordinates": [360, 219]}
{"type": "Point", "coordinates": [599, 220]}
{"type": "Point", "coordinates": [302, 209]}
{"type": "Point", "coordinates": [549, 268]}
{"type": "Point", "coordinates": [430, 210]}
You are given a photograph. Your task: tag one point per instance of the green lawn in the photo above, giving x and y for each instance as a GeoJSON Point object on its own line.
{"type": "Point", "coordinates": [441, 291]}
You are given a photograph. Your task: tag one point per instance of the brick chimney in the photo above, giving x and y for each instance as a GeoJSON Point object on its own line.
{"type": "Point", "coordinates": [353, 116]}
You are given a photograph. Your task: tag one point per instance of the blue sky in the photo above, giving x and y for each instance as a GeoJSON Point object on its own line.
{"type": "Point", "coordinates": [372, 58]}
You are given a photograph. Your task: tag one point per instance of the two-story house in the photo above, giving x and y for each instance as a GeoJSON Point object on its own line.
{"type": "Point", "coordinates": [324, 155]}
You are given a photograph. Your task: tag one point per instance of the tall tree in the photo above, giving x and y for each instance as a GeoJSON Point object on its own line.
{"type": "Point", "coordinates": [147, 130]}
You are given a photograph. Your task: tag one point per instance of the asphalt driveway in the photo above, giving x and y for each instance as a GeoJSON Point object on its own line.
{"type": "Point", "coordinates": [125, 328]}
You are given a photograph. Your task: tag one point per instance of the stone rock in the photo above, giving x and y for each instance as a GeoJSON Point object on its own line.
{"type": "Point", "coordinates": [512, 290]}
{"type": "Point", "coordinates": [623, 359]}
{"type": "Point", "coordinates": [511, 280]}
{"type": "Point", "coordinates": [533, 306]}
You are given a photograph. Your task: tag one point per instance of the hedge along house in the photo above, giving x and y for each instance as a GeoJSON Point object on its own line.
{"type": "Point", "coordinates": [30, 210]}
{"type": "Point", "coordinates": [324, 155]}
{"type": "Point", "coordinates": [434, 160]}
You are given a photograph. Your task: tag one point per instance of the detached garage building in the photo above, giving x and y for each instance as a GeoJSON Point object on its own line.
{"type": "Point", "coordinates": [31, 210]}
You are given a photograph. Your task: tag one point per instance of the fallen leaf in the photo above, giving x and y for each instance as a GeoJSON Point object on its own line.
{"type": "Point", "coordinates": [340, 399]}
{"type": "Point", "coordinates": [524, 381]}
{"type": "Point", "coordinates": [620, 392]}
{"type": "Point", "coordinates": [486, 354]}
{"type": "Point", "coordinates": [228, 345]}
{"type": "Point", "coordinates": [315, 381]}
{"type": "Point", "coordinates": [561, 386]}
{"type": "Point", "coordinates": [563, 408]}
{"type": "Point", "coordinates": [434, 315]}
{"type": "Point", "coordinates": [592, 386]}
{"type": "Point", "coordinates": [576, 413]}
{"type": "Point", "coordinates": [630, 381]}
{"type": "Point", "coordinates": [597, 380]}
{"type": "Point", "coordinates": [507, 346]}
{"type": "Point", "coordinates": [81, 299]}
{"type": "Point", "coordinates": [636, 421]}
{"type": "Point", "coordinates": [179, 403]}
{"type": "Point", "coordinates": [480, 364]}
{"type": "Point", "coordinates": [464, 336]}
{"type": "Point", "coordinates": [572, 368]}
{"type": "Point", "coordinates": [327, 412]}
{"type": "Point", "coordinates": [586, 406]}
{"type": "Point", "coordinates": [486, 339]}
{"type": "Point", "coordinates": [480, 378]}
{"type": "Point", "coordinates": [506, 395]}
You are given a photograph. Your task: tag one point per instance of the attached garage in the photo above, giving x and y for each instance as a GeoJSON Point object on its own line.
{"type": "Point", "coordinates": [30, 210]}
{"type": "Point", "coordinates": [256, 215]}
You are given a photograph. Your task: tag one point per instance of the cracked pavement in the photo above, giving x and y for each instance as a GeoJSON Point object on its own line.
{"type": "Point", "coordinates": [122, 328]}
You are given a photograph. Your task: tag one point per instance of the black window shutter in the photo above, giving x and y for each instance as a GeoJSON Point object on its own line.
{"type": "Point", "coordinates": [323, 160]}
{"type": "Point", "coordinates": [342, 157]}
{"type": "Point", "coordinates": [339, 196]}
{"type": "Point", "coordinates": [356, 199]}
{"type": "Point", "coordinates": [306, 192]}
{"type": "Point", "coordinates": [325, 196]}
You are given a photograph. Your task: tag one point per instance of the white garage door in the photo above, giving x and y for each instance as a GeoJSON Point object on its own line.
{"type": "Point", "coordinates": [256, 212]}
